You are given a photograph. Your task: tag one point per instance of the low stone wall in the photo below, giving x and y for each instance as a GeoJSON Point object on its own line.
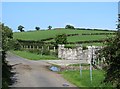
{"type": "Point", "coordinates": [78, 53]}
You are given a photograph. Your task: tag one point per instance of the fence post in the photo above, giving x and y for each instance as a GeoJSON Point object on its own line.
{"type": "Point", "coordinates": [48, 48]}
{"type": "Point", "coordinates": [37, 47]}
{"type": "Point", "coordinates": [41, 50]}
{"type": "Point", "coordinates": [30, 46]}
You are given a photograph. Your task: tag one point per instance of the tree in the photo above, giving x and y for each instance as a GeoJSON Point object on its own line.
{"type": "Point", "coordinates": [111, 53]}
{"type": "Point", "coordinates": [49, 27]}
{"type": "Point", "coordinates": [37, 28]}
{"type": "Point", "coordinates": [6, 69]}
{"type": "Point", "coordinates": [60, 39]}
{"type": "Point", "coordinates": [69, 27]}
{"type": "Point", "coordinates": [20, 27]}
{"type": "Point", "coordinates": [6, 35]}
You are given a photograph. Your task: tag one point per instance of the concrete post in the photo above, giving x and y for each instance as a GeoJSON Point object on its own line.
{"type": "Point", "coordinates": [37, 47]}
{"type": "Point", "coordinates": [48, 48]}
{"type": "Point", "coordinates": [54, 49]}
{"type": "Point", "coordinates": [30, 46]}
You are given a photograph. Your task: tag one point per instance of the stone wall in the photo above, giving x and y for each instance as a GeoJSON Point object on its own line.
{"type": "Point", "coordinates": [78, 53]}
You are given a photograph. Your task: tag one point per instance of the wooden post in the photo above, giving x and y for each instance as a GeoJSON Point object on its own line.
{"type": "Point", "coordinates": [41, 50]}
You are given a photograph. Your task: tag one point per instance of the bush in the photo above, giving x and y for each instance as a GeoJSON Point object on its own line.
{"type": "Point", "coordinates": [69, 27]}
{"type": "Point", "coordinates": [45, 50]}
{"type": "Point", "coordinates": [60, 39]}
{"type": "Point", "coordinates": [13, 44]}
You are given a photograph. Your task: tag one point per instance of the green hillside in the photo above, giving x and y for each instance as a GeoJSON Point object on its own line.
{"type": "Point", "coordinates": [85, 38]}
{"type": "Point", "coordinates": [45, 34]}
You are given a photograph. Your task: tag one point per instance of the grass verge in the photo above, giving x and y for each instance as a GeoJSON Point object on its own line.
{"type": "Point", "coordinates": [33, 56]}
{"type": "Point", "coordinates": [84, 81]}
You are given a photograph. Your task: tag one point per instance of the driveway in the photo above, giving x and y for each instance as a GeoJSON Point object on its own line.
{"type": "Point", "coordinates": [31, 73]}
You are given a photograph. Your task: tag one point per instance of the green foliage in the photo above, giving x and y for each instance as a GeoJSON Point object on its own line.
{"type": "Point", "coordinates": [69, 27]}
{"type": "Point", "coordinates": [13, 44]}
{"type": "Point", "coordinates": [6, 69]}
{"type": "Point", "coordinates": [37, 28]}
{"type": "Point", "coordinates": [45, 50]}
{"type": "Point", "coordinates": [111, 53]}
{"type": "Point", "coordinates": [49, 27]}
{"type": "Point", "coordinates": [84, 48]}
{"type": "Point", "coordinates": [6, 36]}
{"type": "Point", "coordinates": [60, 39]}
{"type": "Point", "coordinates": [39, 35]}
{"type": "Point", "coordinates": [20, 27]}
{"type": "Point", "coordinates": [43, 35]}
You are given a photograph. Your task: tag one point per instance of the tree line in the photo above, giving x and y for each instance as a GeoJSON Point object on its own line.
{"type": "Point", "coordinates": [21, 28]}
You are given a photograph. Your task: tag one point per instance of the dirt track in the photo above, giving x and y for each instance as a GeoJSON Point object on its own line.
{"type": "Point", "coordinates": [34, 73]}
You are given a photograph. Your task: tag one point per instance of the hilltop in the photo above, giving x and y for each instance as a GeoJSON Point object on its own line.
{"type": "Point", "coordinates": [72, 35]}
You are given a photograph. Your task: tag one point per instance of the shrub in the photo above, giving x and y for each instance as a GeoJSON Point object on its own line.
{"type": "Point", "coordinates": [45, 50]}
{"type": "Point", "coordinates": [69, 27]}
{"type": "Point", "coordinates": [37, 51]}
{"type": "Point", "coordinates": [60, 39]}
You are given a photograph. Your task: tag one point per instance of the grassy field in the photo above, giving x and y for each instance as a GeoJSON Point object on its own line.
{"type": "Point", "coordinates": [85, 38]}
{"type": "Point", "coordinates": [84, 81]}
{"type": "Point", "coordinates": [33, 56]}
{"type": "Point", "coordinates": [43, 34]}
{"type": "Point", "coordinates": [86, 44]}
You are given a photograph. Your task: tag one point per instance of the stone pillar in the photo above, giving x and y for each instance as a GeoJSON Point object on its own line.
{"type": "Point", "coordinates": [42, 50]}
{"type": "Point", "coordinates": [60, 51]}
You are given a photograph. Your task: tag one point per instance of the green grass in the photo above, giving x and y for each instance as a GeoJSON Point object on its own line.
{"type": "Point", "coordinates": [79, 64]}
{"type": "Point", "coordinates": [43, 34]}
{"type": "Point", "coordinates": [84, 81]}
{"type": "Point", "coordinates": [33, 56]}
{"type": "Point", "coordinates": [87, 38]}
{"type": "Point", "coordinates": [85, 44]}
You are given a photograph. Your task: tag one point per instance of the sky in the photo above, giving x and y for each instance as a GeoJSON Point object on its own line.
{"type": "Point", "coordinates": [101, 15]}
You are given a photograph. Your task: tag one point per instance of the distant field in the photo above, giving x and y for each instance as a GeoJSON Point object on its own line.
{"type": "Point", "coordinates": [45, 34]}
{"type": "Point", "coordinates": [85, 38]}
{"type": "Point", "coordinates": [38, 35]}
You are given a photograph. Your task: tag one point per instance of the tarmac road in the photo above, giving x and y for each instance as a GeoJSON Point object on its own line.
{"type": "Point", "coordinates": [31, 73]}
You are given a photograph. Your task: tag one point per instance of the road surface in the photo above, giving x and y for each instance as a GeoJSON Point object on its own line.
{"type": "Point", "coordinates": [31, 73]}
